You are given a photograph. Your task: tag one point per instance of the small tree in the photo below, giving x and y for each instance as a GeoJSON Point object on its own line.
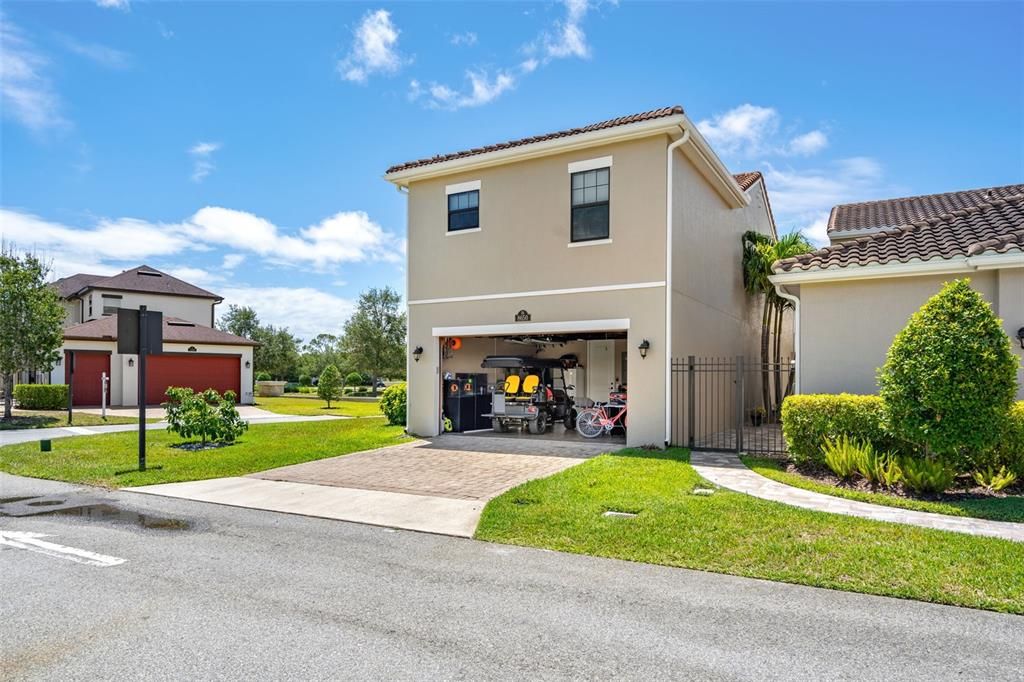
{"type": "Point", "coordinates": [31, 319]}
{"type": "Point", "coordinates": [393, 404]}
{"type": "Point", "coordinates": [950, 377]}
{"type": "Point", "coordinates": [353, 379]}
{"type": "Point", "coordinates": [329, 386]}
{"type": "Point", "coordinates": [207, 415]}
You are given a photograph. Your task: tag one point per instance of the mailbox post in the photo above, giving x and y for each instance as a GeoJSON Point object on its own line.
{"type": "Point", "coordinates": [140, 332]}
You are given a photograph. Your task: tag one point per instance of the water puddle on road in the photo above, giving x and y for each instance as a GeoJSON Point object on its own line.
{"type": "Point", "coordinates": [22, 507]}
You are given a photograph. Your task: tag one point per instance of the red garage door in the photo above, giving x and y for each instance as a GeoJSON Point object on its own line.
{"type": "Point", "coordinates": [86, 385]}
{"type": "Point", "coordinates": [198, 372]}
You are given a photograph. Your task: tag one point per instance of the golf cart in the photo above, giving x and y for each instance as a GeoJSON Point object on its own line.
{"type": "Point", "coordinates": [533, 392]}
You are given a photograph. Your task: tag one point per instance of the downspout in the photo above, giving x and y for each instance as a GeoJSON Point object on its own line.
{"type": "Point", "coordinates": [668, 281]}
{"type": "Point", "coordinates": [796, 332]}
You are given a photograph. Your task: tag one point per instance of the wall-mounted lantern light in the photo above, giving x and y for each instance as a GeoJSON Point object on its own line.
{"type": "Point", "coordinates": [58, 360]}
{"type": "Point", "coordinates": [248, 364]}
{"type": "Point", "coordinates": [417, 352]}
{"type": "Point", "coordinates": [131, 362]}
{"type": "Point", "coordinates": [1020, 336]}
{"type": "Point", "coordinates": [644, 346]}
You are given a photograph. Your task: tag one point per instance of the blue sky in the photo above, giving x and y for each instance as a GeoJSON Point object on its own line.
{"type": "Point", "coordinates": [241, 145]}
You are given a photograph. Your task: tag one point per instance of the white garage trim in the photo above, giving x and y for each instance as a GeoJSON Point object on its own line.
{"type": "Point", "coordinates": [565, 327]}
{"type": "Point", "coordinates": [541, 292]}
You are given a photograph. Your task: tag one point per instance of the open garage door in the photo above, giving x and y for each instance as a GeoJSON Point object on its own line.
{"type": "Point", "coordinates": [198, 372]}
{"type": "Point", "coordinates": [87, 381]}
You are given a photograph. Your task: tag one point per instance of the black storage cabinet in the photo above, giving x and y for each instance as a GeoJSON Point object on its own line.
{"type": "Point", "coordinates": [466, 397]}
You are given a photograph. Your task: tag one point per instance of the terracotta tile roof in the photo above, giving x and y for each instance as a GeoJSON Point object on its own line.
{"type": "Point", "coordinates": [747, 180]}
{"type": "Point", "coordinates": [176, 330]}
{"type": "Point", "coordinates": [141, 279]}
{"type": "Point", "coordinates": [906, 210]}
{"type": "Point", "coordinates": [995, 226]}
{"type": "Point", "coordinates": [621, 121]}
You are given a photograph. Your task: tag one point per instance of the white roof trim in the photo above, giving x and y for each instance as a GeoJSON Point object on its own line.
{"type": "Point", "coordinates": [541, 292]}
{"type": "Point", "coordinates": [462, 187]}
{"type": "Point", "coordinates": [562, 327]}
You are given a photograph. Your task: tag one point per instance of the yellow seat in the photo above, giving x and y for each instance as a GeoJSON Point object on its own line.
{"type": "Point", "coordinates": [511, 385]}
{"type": "Point", "coordinates": [530, 384]}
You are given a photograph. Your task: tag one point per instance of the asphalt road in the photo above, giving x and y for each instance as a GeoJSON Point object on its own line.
{"type": "Point", "coordinates": [247, 594]}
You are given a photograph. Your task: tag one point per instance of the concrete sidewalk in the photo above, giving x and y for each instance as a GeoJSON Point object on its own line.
{"type": "Point", "coordinates": [726, 470]}
{"type": "Point", "coordinates": [29, 435]}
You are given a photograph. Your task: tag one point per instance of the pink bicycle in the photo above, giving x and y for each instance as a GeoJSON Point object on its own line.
{"type": "Point", "coordinates": [593, 421]}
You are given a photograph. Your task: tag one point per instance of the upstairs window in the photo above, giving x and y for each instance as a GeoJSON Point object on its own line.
{"type": "Point", "coordinates": [464, 211]}
{"type": "Point", "coordinates": [590, 204]}
{"type": "Point", "coordinates": [110, 304]}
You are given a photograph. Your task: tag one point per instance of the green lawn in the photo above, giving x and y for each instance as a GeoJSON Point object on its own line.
{"type": "Point", "coordinates": [733, 533]}
{"type": "Point", "coordinates": [109, 460]}
{"type": "Point", "coordinates": [311, 405]}
{"type": "Point", "coordinates": [994, 508]}
{"type": "Point", "coordinates": [42, 419]}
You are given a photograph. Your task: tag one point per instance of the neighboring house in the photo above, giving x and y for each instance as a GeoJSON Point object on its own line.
{"type": "Point", "coordinates": [885, 260]}
{"type": "Point", "coordinates": [618, 242]}
{"type": "Point", "coordinates": [194, 353]}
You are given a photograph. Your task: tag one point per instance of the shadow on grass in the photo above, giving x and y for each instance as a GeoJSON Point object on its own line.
{"type": "Point", "coordinates": [40, 422]}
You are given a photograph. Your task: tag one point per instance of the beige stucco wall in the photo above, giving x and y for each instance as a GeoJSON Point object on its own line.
{"type": "Point", "coordinates": [644, 308]}
{"type": "Point", "coordinates": [523, 243]}
{"type": "Point", "coordinates": [846, 328]}
{"type": "Point", "coordinates": [197, 310]}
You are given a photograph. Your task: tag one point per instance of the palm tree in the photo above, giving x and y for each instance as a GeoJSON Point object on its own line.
{"type": "Point", "coordinates": [760, 252]}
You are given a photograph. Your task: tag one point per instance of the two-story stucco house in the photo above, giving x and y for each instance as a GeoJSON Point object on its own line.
{"type": "Point", "coordinates": [617, 242]}
{"type": "Point", "coordinates": [195, 354]}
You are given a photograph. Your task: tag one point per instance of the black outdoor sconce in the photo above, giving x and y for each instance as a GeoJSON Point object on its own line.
{"type": "Point", "coordinates": [131, 362]}
{"type": "Point", "coordinates": [248, 364]}
{"type": "Point", "coordinates": [417, 352]}
{"type": "Point", "coordinates": [1020, 336]}
{"type": "Point", "coordinates": [644, 346]}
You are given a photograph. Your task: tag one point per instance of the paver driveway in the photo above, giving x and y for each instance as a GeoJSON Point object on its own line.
{"type": "Point", "coordinates": [454, 466]}
{"type": "Point", "coordinates": [438, 485]}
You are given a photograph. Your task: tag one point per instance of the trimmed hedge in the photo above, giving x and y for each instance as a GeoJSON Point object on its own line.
{"type": "Point", "coordinates": [393, 404]}
{"type": "Point", "coordinates": [41, 396]}
{"type": "Point", "coordinates": [809, 420]}
{"type": "Point", "coordinates": [1010, 450]}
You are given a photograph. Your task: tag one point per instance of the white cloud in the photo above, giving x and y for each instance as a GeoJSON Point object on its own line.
{"type": "Point", "coordinates": [101, 54]}
{"type": "Point", "coordinates": [568, 39]}
{"type": "Point", "coordinates": [27, 94]}
{"type": "Point", "coordinates": [345, 237]}
{"type": "Point", "coordinates": [374, 50]}
{"type": "Point", "coordinates": [114, 4]}
{"type": "Point", "coordinates": [482, 88]}
{"type": "Point", "coordinates": [744, 129]}
{"type": "Point", "coordinates": [202, 153]}
{"type": "Point", "coordinates": [304, 310]}
{"type": "Point", "coordinates": [197, 276]}
{"type": "Point", "coordinates": [468, 39]}
{"type": "Point", "coordinates": [165, 32]}
{"type": "Point", "coordinates": [802, 199]}
{"type": "Point", "coordinates": [232, 261]}
{"type": "Point", "coordinates": [808, 143]}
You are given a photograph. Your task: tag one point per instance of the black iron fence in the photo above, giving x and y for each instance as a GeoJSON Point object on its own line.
{"type": "Point", "coordinates": [729, 404]}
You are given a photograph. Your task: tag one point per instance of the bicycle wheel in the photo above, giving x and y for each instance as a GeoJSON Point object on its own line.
{"type": "Point", "coordinates": [588, 423]}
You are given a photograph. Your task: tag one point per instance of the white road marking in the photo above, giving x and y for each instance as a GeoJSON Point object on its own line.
{"type": "Point", "coordinates": [32, 543]}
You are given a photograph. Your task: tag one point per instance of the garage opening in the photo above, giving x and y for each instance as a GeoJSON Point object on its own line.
{"type": "Point", "coordinates": [197, 371]}
{"type": "Point", "coordinates": [533, 385]}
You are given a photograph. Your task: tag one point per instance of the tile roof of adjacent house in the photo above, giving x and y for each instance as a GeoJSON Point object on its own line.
{"type": "Point", "coordinates": [175, 331]}
{"type": "Point", "coordinates": [141, 279]}
{"type": "Point", "coordinates": [872, 215]}
{"type": "Point", "coordinates": [611, 123]}
{"type": "Point", "coordinates": [747, 180]}
{"type": "Point", "coordinates": [993, 226]}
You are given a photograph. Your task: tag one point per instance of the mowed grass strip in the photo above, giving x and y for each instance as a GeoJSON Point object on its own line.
{"type": "Point", "coordinates": [45, 419]}
{"type": "Point", "coordinates": [313, 406]}
{"type": "Point", "coordinates": [1009, 508]}
{"type": "Point", "coordinates": [110, 460]}
{"type": "Point", "coordinates": [732, 533]}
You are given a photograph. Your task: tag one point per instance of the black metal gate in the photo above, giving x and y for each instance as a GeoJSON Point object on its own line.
{"type": "Point", "coordinates": [729, 404]}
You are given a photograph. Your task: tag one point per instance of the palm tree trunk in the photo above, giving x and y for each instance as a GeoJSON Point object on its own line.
{"type": "Point", "coordinates": [765, 331]}
{"type": "Point", "coordinates": [780, 311]}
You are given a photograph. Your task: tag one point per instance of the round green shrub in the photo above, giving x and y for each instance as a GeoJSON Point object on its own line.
{"type": "Point", "coordinates": [950, 377]}
{"type": "Point", "coordinates": [304, 380]}
{"type": "Point", "coordinates": [263, 376]}
{"type": "Point", "coordinates": [393, 403]}
{"type": "Point", "coordinates": [353, 379]}
{"type": "Point", "coordinates": [809, 421]}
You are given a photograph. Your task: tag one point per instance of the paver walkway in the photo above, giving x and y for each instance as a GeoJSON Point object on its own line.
{"type": "Point", "coordinates": [726, 470]}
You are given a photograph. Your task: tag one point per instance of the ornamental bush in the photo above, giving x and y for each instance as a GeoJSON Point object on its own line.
{"type": "Point", "coordinates": [950, 377]}
{"type": "Point", "coordinates": [329, 386]}
{"type": "Point", "coordinates": [393, 403]}
{"type": "Point", "coordinates": [41, 396]}
{"type": "Point", "coordinates": [207, 416]}
{"type": "Point", "coordinates": [808, 421]}
{"type": "Point", "coordinates": [1009, 452]}
{"type": "Point", "coordinates": [353, 379]}
{"type": "Point", "coordinates": [263, 376]}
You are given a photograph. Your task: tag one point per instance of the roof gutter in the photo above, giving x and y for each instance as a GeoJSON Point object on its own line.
{"type": "Point", "coordinates": [960, 264]}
